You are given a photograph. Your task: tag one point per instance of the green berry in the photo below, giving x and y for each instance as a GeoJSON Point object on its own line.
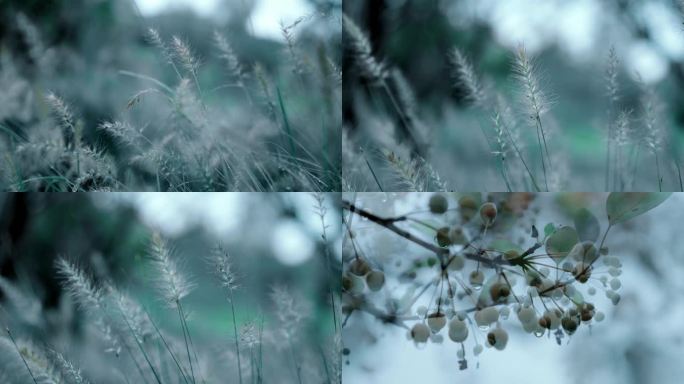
{"type": "Point", "coordinates": [438, 203]}
{"type": "Point", "coordinates": [569, 325]}
{"type": "Point", "coordinates": [442, 237]}
{"type": "Point", "coordinates": [476, 278]}
{"type": "Point", "coordinates": [467, 208]}
{"type": "Point", "coordinates": [375, 280]}
{"type": "Point", "coordinates": [599, 316]}
{"type": "Point", "coordinates": [359, 267]}
{"type": "Point", "coordinates": [457, 236]}
{"type": "Point", "coordinates": [615, 284]}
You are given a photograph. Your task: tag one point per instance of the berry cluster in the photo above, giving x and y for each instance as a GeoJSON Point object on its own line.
{"type": "Point", "coordinates": [487, 261]}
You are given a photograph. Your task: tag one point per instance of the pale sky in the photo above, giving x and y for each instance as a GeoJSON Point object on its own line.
{"type": "Point", "coordinates": [579, 28]}
{"type": "Point", "coordinates": [224, 214]}
{"type": "Point", "coordinates": [265, 18]}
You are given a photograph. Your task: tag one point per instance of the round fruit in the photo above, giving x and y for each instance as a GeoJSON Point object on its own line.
{"type": "Point", "coordinates": [467, 207]}
{"type": "Point", "coordinates": [527, 315]}
{"type": "Point", "coordinates": [375, 280]}
{"type": "Point", "coordinates": [359, 267]}
{"type": "Point", "coordinates": [499, 291]}
{"type": "Point", "coordinates": [486, 316]}
{"type": "Point", "coordinates": [476, 278]}
{"type": "Point", "coordinates": [498, 338]}
{"type": "Point", "coordinates": [436, 321]}
{"type": "Point", "coordinates": [457, 236]}
{"type": "Point", "coordinates": [477, 349]}
{"type": "Point", "coordinates": [569, 325]}
{"type": "Point", "coordinates": [442, 236]}
{"type": "Point", "coordinates": [488, 213]}
{"type": "Point", "coordinates": [582, 272]}
{"type": "Point", "coordinates": [420, 333]}
{"type": "Point", "coordinates": [438, 203]}
{"type": "Point", "coordinates": [458, 330]}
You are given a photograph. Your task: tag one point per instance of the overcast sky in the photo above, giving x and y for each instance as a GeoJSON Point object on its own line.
{"type": "Point", "coordinates": [580, 27]}
{"type": "Point", "coordinates": [265, 19]}
{"type": "Point", "coordinates": [224, 215]}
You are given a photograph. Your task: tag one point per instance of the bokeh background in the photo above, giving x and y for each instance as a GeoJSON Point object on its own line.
{"type": "Point", "coordinates": [570, 41]}
{"type": "Point", "coordinates": [639, 341]}
{"type": "Point", "coordinates": [275, 240]}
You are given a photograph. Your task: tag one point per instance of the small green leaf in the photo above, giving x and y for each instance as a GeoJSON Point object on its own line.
{"type": "Point", "coordinates": [561, 242]}
{"type": "Point", "coordinates": [621, 207]}
{"type": "Point", "coordinates": [587, 225]}
{"type": "Point", "coordinates": [549, 229]}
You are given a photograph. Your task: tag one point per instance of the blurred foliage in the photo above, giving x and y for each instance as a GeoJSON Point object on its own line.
{"type": "Point", "coordinates": [35, 228]}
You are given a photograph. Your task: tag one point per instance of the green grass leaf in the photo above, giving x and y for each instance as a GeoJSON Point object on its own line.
{"type": "Point", "coordinates": [286, 123]}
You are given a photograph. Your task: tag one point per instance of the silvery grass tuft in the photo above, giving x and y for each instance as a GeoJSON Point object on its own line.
{"type": "Point", "coordinates": [371, 68]}
{"type": "Point", "coordinates": [222, 267]}
{"type": "Point", "coordinates": [375, 72]}
{"type": "Point", "coordinates": [70, 373]}
{"type": "Point", "coordinates": [499, 132]}
{"type": "Point", "coordinates": [173, 285]}
{"type": "Point", "coordinates": [535, 102]}
{"type": "Point", "coordinates": [202, 117]}
{"type": "Point", "coordinates": [291, 313]}
{"type": "Point", "coordinates": [65, 118]}
{"type": "Point", "coordinates": [80, 287]}
{"type": "Point", "coordinates": [125, 341]}
{"type": "Point", "coordinates": [465, 77]}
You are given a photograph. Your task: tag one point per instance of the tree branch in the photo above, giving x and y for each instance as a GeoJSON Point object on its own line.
{"type": "Point", "coordinates": [443, 253]}
{"type": "Point", "coordinates": [389, 223]}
